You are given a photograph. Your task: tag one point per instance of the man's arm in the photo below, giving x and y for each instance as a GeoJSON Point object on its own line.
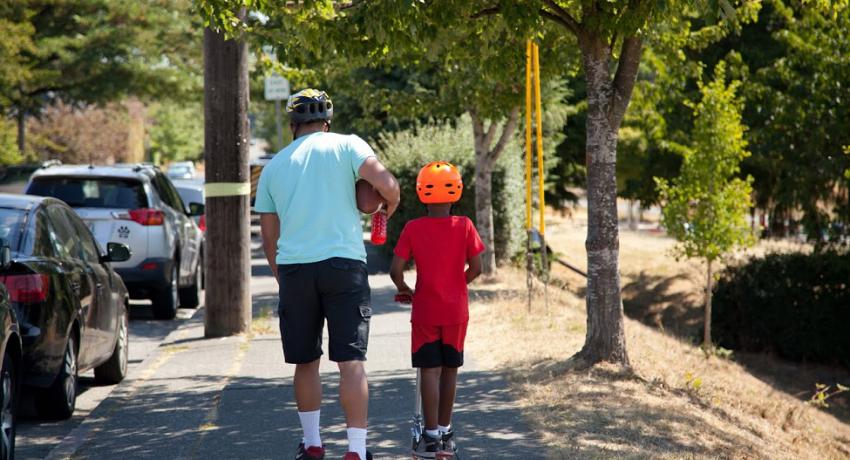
{"type": "Point", "coordinates": [376, 174]}
{"type": "Point", "coordinates": [270, 230]}
{"type": "Point", "coordinates": [474, 268]}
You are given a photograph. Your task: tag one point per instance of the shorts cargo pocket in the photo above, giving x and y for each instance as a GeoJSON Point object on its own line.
{"type": "Point", "coordinates": [365, 312]}
{"type": "Point", "coordinates": [363, 328]}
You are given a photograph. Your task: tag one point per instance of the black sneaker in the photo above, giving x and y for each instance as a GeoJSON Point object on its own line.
{"type": "Point", "coordinates": [312, 453]}
{"type": "Point", "coordinates": [427, 447]}
{"type": "Point", "coordinates": [447, 445]}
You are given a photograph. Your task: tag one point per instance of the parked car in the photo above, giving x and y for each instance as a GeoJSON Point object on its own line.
{"type": "Point", "coordinates": [10, 370]}
{"type": "Point", "coordinates": [181, 170]}
{"type": "Point", "coordinates": [139, 206]}
{"type": "Point", "coordinates": [192, 191]}
{"type": "Point", "coordinates": [70, 304]}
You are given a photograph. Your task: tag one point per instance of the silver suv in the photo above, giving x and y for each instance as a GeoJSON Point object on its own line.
{"type": "Point", "coordinates": [136, 205]}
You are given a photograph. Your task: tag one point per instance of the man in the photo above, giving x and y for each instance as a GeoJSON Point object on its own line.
{"type": "Point", "coordinates": [313, 241]}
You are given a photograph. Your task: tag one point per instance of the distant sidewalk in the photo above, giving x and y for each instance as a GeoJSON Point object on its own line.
{"type": "Point", "coordinates": [197, 398]}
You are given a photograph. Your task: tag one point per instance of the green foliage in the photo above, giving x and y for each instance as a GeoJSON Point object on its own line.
{"type": "Point", "coordinates": [796, 305]}
{"type": "Point", "coordinates": [405, 152]}
{"type": "Point", "coordinates": [9, 154]}
{"type": "Point", "coordinates": [95, 51]}
{"type": "Point", "coordinates": [177, 132]}
{"type": "Point", "coordinates": [706, 206]}
{"type": "Point", "coordinates": [825, 392]}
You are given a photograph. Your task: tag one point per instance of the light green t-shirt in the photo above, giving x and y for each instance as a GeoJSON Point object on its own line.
{"type": "Point", "coordinates": [310, 186]}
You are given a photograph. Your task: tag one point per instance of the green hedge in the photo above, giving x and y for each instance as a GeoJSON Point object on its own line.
{"type": "Point", "coordinates": [797, 305]}
{"type": "Point", "coordinates": [405, 152]}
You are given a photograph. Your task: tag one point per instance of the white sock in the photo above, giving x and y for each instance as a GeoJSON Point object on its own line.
{"type": "Point", "coordinates": [310, 425]}
{"type": "Point", "coordinates": [444, 429]}
{"type": "Point", "coordinates": [357, 441]}
{"type": "Point", "coordinates": [433, 433]}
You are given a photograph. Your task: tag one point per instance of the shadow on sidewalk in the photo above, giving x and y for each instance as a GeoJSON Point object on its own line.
{"type": "Point", "coordinates": [257, 419]}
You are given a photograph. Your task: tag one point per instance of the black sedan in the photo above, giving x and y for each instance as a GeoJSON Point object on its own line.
{"type": "Point", "coordinates": [10, 376]}
{"type": "Point", "coordinates": [70, 305]}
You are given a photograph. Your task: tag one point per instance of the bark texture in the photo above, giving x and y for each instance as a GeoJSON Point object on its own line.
{"type": "Point", "coordinates": [486, 155]}
{"type": "Point", "coordinates": [607, 102]}
{"type": "Point", "coordinates": [227, 258]}
{"type": "Point", "coordinates": [22, 129]}
{"type": "Point", "coordinates": [706, 340]}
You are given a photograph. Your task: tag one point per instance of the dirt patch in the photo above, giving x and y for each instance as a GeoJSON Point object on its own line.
{"type": "Point", "coordinates": [677, 402]}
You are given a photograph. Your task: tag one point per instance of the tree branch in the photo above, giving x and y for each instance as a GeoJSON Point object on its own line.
{"type": "Point", "coordinates": [489, 11]}
{"type": "Point", "coordinates": [624, 79]}
{"type": "Point", "coordinates": [507, 132]}
{"type": "Point", "coordinates": [565, 17]}
{"type": "Point", "coordinates": [488, 138]}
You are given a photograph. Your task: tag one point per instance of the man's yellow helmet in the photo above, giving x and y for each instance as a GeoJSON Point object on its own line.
{"type": "Point", "coordinates": [309, 105]}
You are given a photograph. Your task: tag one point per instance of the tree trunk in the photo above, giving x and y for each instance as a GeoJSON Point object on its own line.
{"type": "Point", "coordinates": [485, 160]}
{"type": "Point", "coordinates": [607, 101]}
{"type": "Point", "coordinates": [22, 129]}
{"type": "Point", "coordinates": [484, 213]}
{"type": "Point", "coordinates": [226, 135]}
{"type": "Point", "coordinates": [706, 339]}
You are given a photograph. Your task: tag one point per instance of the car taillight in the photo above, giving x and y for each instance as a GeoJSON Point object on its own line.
{"type": "Point", "coordinates": [202, 222]}
{"type": "Point", "coordinates": [146, 216]}
{"type": "Point", "coordinates": [27, 288]}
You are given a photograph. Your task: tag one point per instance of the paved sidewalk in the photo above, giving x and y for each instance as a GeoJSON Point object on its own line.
{"type": "Point", "coordinates": [196, 398]}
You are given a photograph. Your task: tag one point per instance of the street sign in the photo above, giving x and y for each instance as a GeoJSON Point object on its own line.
{"type": "Point", "coordinates": [276, 88]}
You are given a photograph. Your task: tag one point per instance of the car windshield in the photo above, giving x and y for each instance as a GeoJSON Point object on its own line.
{"type": "Point", "coordinates": [11, 221]}
{"type": "Point", "coordinates": [179, 171]}
{"type": "Point", "coordinates": [105, 192]}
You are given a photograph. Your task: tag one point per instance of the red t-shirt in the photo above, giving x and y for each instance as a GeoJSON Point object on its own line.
{"type": "Point", "coordinates": [440, 246]}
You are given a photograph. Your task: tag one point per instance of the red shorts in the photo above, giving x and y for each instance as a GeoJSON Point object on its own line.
{"type": "Point", "coordinates": [438, 346]}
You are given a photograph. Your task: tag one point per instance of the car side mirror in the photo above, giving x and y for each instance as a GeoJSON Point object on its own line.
{"type": "Point", "coordinates": [5, 254]}
{"type": "Point", "coordinates": [116, 252]}
{"type": "Point", "coordinates": [196, 209]}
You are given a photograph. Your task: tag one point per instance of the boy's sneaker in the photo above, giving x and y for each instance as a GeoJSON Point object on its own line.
{"type": "Point", "coordinates": [447, 445]}
{"type": "Point", "coordinates": [356, 456]}
{"type": "Point", "coordinates": [310, 453]}
{"type": "Point", "coordinates": [427, 447]}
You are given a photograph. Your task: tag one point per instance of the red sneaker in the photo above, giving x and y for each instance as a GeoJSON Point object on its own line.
{"type": "Point", "coordinates": [356, 456]}
{"type": "Point", "coordinates": [310, 453]}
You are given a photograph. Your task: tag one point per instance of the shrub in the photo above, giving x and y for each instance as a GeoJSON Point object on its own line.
{"type": "Point", "coordinates": [405, 152]}
{"type": "Point", "coordinates": [797, 305]}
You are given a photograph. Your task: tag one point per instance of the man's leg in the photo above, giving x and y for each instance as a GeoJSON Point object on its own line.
{"type": "Point", "coordinates": [308, 398]}
{"type": "Point", "coordinates": [354, 393]}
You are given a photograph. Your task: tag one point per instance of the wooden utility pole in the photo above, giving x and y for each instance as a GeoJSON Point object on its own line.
{"type": "Point", "coordinates": [228, 253]}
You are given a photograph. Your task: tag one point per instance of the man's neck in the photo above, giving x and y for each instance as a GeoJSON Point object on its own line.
{"type": "Point", "coordinates": [307, 131]}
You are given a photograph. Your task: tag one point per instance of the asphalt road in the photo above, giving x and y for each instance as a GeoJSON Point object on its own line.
{"type": "Point", "coordinates": [36, 438]}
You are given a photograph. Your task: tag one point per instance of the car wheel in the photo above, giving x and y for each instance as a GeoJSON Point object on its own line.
{"type": "Point", "coordinates": [190, 296]}
{"type": "Point", "coordinates": [166, 300]}
{"type": "Point", "coordinates": [59, 400]}
{"type": "Point", "coordinates": [8, 400]}
{"type": "Point", "coordinates": [115, 368]}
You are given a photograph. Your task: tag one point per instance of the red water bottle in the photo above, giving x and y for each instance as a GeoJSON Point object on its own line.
{"type": "Point", "coordinates": [379, 227]}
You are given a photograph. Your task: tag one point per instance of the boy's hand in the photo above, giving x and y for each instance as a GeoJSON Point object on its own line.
{"type": "Point", "coordinates": [405, 295]}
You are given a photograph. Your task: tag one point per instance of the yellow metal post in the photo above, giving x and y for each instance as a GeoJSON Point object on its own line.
{"type": "Point", "coordinates": [544, 269]}
{"type": "Point", "coordinates": [528, 155]}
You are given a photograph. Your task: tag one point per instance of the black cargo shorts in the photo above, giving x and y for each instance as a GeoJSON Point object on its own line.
{"type": "Point", "coordinates": [335, 289]}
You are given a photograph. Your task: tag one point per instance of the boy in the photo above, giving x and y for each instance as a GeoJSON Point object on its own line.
{"type": "Point", "coordinates": [441, 246]}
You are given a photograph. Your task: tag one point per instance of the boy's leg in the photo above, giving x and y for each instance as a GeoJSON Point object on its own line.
{"type": "Point", "coordinates": [430, 390]}
{"type": "Point", "coordinates": [448, 389]}
{"type": "Point", "coordinates": [308, 398]}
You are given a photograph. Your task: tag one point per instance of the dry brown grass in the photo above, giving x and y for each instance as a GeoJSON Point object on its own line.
{"type": "Point", "coordinates": [676, 402]}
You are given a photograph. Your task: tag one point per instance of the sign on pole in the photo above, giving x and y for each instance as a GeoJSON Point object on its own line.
{"type": "Point", "coordinates": [276, 88]}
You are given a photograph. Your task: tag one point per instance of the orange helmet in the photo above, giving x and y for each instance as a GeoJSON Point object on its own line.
{"type": "Point", "coordinates": [439, 182]}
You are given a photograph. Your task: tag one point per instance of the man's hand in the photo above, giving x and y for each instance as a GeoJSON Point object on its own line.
{"type": "Point", "coordinates": [270, 231]}
{"type": "Point", "coordinates": [376, 174]}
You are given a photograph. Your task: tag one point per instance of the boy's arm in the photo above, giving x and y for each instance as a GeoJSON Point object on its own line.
{"type": "Point", "coordinates": [474, 268]}
{"type": "Point", "coordinates": [397, 275]}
